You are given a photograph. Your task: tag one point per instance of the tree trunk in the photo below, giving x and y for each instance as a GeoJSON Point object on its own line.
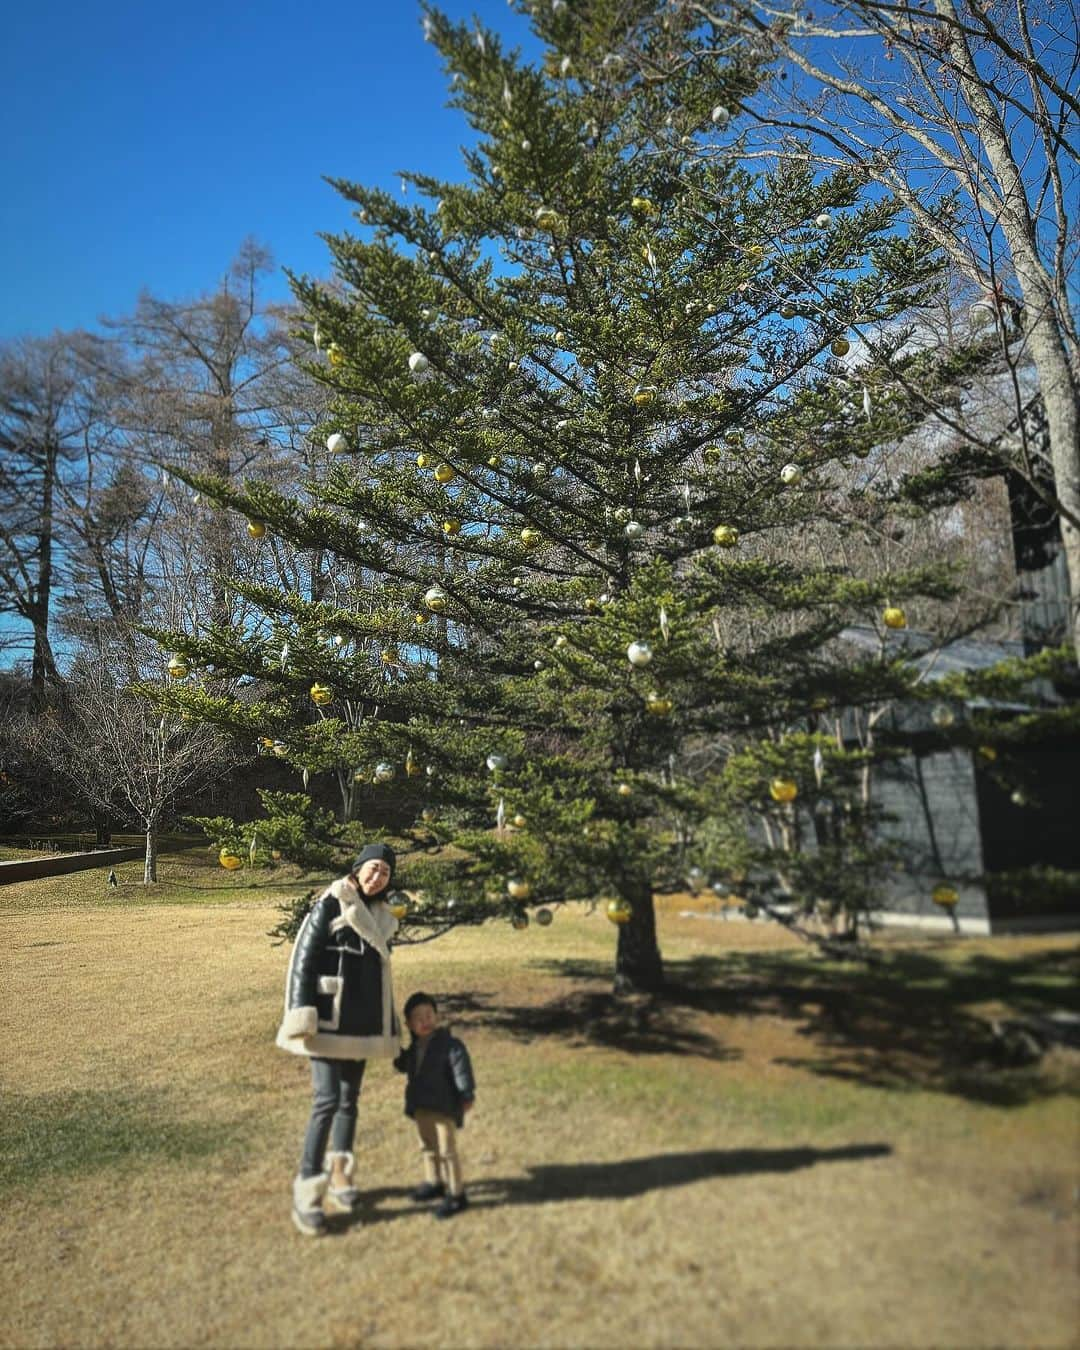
{"type": "Point", "coordinates": [150, 865]}
{"type": "Point", "coordinates": [639, 967]}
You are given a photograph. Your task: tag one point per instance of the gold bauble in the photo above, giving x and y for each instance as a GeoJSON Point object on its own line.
{"type": "Point", "coordinates": [783, 789]}
{"type": "Point", "coordinates": [944, 895]}
{"type": "Point", "coordinates": [321, 694]}
{"type": "Point", "coordinates": [228, 859]}
{"type": "Point", "coordinates": [412, 768]}
{"type": "Point", "coordinates": [530, 537]}
{"type": "Point", "coordinates": [422, 618]}
{"type": "Point", "coordinates": [444, 473]}
{"type": "Point", "coordinates": [519, 821]}
{"type": "Point", "coordinates": [422, 460]}
{"type": "Point", "coordinates": [336, 355]}
{"type": "Point", "coordinates": [178, 668]}
{"type": "Point", "coordinates": [712, 454]}
{"type": "Point", "coordinates": [518, 889]}
{"type": "Point", "coordinates": [624, 789]}
{"type": "Point", "coordinates": [519, 921]}
{"type": "Point", "coordinates": [725, 536]}
{"type": "Point", "coordinates": [451, 527]}
{"type": "Point", "coordinates": [618, 910]}
{"type": "Point", "coordinates": [894, 617]}
{"type": "Point", "coordinates": [658, 706]}
{"type": "Point", "coordinates": [642, 206]}
{"type": "Point", "coordinates": [256, 528]}
{"type": "Point", "coordinates": [840, 346]}
{"type": "Point", "coordinates": [275, 853]}
{"type": "Point", "coordinates": [645, 395]}
{"type": "Point", "coordinates": [592, 605]}
{"type": "Point", "coordinates": [398, 904]}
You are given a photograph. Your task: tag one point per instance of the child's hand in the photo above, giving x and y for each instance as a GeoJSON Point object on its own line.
{"type": "Point", "coordinates": [467, 1106]}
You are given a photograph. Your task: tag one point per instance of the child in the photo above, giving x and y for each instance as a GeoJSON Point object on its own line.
{"type": "Point", "coordinates": [339, 1011]}
{"type": "Point", "coordinates": [439, 1092]}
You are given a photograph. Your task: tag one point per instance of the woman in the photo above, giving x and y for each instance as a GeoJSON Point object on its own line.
{"type": "Point", "coordinates": [339, 1010]}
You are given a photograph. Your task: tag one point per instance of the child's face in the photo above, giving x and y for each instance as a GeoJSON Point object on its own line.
{"type": "Point", "coordinates": [423, 1020]}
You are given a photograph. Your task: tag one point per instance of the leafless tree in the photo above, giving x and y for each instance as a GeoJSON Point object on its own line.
{"type": "Point", "coordinates": [966, 112]}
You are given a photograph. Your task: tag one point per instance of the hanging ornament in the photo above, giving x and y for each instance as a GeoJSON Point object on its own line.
{"type": "Point", "coordinates": [418, 363]}
{"type": "Point", "coordinates": [397, 902]}
{"type": "Point", "coordinates": [336, 442]}
{"type": "Point", "coordinates": [942, 715]}
{"type": "Point", "coordinates": [720, 115]}
{"type": "Point", "coordinates": [500, 816]}
{"type": "Point", "coordinates": [783, 789]}
{"type": "Point", "coordinates": [412, 768]}
{"type": "Point", "coordinates": [444, 473]}
{"type": "Point", "coordinates": [422, 460]}
{"type": "Point", "coordinates": [518, 889]}
{"type": "Point", "coordinates": [451, 527]}
{"type": "Point", "coordinates": [665, 627]}
{"type": "Point", "coordinates": [840, 346]}
{"type": "Point", "coordinates": [428, 814]}
{"type": "Point", "coordinates": [639, 653]}
{"type": "Point", "coordinates": [256, 528]}
{"type": "Point", "coordinates": [305, 776]}
{"type": "Point", "coordinates": [335, 354]}
{"type": "Point", "coordinates": [618, 911]}
{"type": "Point", "coordinates": [544, 917]}
{"type": "Point", "coordinates": [384, 771]}
{"type": "Point", "coordinates": [634, 530]}
{"type": "Point", "coordinates": [866, 402]}
{"type": "Point", "coordinates": [564, 67]}
{"type": "Point", "coordinates": [519, 822]}
{"type": "Point", "coordinates": [637, 470]}
{"type": "Point", "coordinates": [436, 599]}
{"type": "Point", "coordinates": [497, 762]}
{"type": "Point", "coordinates": [546, 218]}
{"type": "Point", "coordinates": [946, 896]}
{"type": "Point", "coordinates": [520, 921]}
{"type": "Point", "coordinates": [642, 206]}
{"type": "Point", "coordinates": [321, 694]}
{"type": "Point", "coordinates": [788, 310]}
{"type": "Point", "coordinates": [645, 395]}
{"type": "Point", "coordinates": [819, 765]}
{"type": "Point", "coordinates": [178, 668]}
{"type": "Point", "coordinates": [725, 536]}
{"type": "Point", "coordinates": [316, 337]}
{"type": "Point", "coordinates": [280, 749]}
{"type": "Point", "coordinates": [530, 537]}
{"type": "Point", "coordinates": [894, 617]}
{"type": "Point", "coordinates": [658, 706]}
{"type": "Point", "coordinates": [560, 641]}
{"type": "Point", "coordinates": [229, 860]}
{"type": "Point", "coordinates": [712, 454]}
{"type": "Point", "coordinates": [823, 221]}
{"type": "Point", "coordinates": [275, 854]}
{"type": "Point", "coordinates": [624, 790]}
{"type": "Point", "coordinates": [791, 475]}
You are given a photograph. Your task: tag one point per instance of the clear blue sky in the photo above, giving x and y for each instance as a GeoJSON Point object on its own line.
{"type": "Point", "coordinates": [142, 144]}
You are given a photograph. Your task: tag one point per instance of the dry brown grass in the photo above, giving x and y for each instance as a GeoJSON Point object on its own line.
{"type": "Point", "coordinates": [754, 1165]}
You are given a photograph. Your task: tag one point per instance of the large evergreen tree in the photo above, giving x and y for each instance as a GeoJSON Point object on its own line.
{"type": "Point", "coordinates": [601, 414]}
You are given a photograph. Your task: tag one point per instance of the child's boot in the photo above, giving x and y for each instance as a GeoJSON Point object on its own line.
{"type": "Point", "coordinates": [341, 1194]}
{"type": "Point", "coordinates": [307, 1197]}
{"type": "Point", "coordinates": [453, 1204]}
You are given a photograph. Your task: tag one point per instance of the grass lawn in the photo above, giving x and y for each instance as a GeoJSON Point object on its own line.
{"type": "Point", "coordinates": [785, 1153]}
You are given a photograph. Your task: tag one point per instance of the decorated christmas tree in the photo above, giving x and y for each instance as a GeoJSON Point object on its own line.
{"type": "Point", "coordinates": [605, 416]}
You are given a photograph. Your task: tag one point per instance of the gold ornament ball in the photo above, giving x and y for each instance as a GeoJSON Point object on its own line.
{"type": "Point", "coordinates": [791, 475]}
{"type": "Point", "coordinates": [560, 337]}
{"type": "Point", "coordinates": [520, 921]}
{"type": "Point", "coordinates": [451, 527]}
{"type": "Point", "coordinates": [336, 443]}
{"type": "Point", "coordinates": [783, 789]}
{"type": "Point", "coordinates": [618, 911]}
{"type": "Point", "coordinates": [840, 346]}
{"type": "Point", "coordinates": [384, 771]}
{"type": "Point", "coordinates": [178, 668]}
{"type": "Point", "coordinates": [944, 895]}
{"type": "Point", "coordinates": [519, 821]}
{"type": "Point", "coordinates": [275, 853]}
{"type": "Point", "coordinates": [546, 218]}
{"type": "Point", "coordinates": [642, 206]}
{"type": "Point", "coordinates": [436, 599]}
{"type": "Point", "coordinates": [321, 694]}
{"type": "Point", "coordinates": [412, 769]}
{"type": "Point", "coordinates": [658, 706]}
{"type": "Point", "coordinates": [894, 617]}
{"type": "Point", "coordinates": [518, 889]}
{"type": "Point", "coordinates": [428, 814]}
{"type": "Point", "coordinates": [645, 395]}
{"type": "Point", "coordinates": [712, 454]}
{"type": "Point", "coordinates": [422, 460]}
{"type": "Point", "coordinates": [256, 528]}
{"type": "Point", "coordinates": [988, 753]}
{"type": "Point", "coordinates": [228, 859]}
{"type": "Point", "coordinates": [444, 473]}
{"type": "Point", "coordinates": [592, 605]}
{"type": "Point", "coordinates": [418, 363]}
{"type": "Point", "coordinates": [624, 789]}
{"type": "Point", "coordinates": [280, 749]}
{"type": "Point", "coordinates": [725, 536]}
{"type": "Point", "coordinates": [529, 537]}
{"type": "Point", "coordinates": [421, 617]}
{"type": "Point", "coordinates": [788, 310]}
{"type": "Point", "coordinates": [336, 355]}
{"type": "Point", "coordinates": [398, 904]}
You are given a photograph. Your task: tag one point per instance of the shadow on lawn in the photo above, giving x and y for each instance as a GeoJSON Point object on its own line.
{"type": "Point", "coordinates": [620, 1180]}
{"type": "Point", "coordinates": [910, 1022]}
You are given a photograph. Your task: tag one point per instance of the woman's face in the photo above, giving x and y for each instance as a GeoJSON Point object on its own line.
{"type": "Point", "coordinates": [373, 876]}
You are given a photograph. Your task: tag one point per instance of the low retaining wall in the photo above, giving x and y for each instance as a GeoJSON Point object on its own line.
{"type": "Point", "coordinates": [29, 869]}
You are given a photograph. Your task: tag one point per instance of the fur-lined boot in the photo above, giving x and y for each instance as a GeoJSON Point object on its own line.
{"type": "Point", "coordinates": [307, 1197]}
{"type": "Point", "coordinates": [341, 1194]}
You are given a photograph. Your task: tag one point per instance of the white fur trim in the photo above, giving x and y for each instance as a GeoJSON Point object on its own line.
{"type": "Point", "coordinates": [348, 1167]}
{"type": "Point", "coordinates": [331, 1045]}
{"type": "Point", "coordinates": [309, 1191]}
{"type": "Point", "coordinates": [299, 1022]}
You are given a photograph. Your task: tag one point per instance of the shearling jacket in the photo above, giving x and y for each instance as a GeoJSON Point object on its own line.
{"type": "Point", "coordinates": [339, 1000]}
{"type": "Point", "coordinates": [444, 1079]}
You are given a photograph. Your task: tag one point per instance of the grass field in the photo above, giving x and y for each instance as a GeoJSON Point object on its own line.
{"type": "Point", "coordinates": [785, 1153]}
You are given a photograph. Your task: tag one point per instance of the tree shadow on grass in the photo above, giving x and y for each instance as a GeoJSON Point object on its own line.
{"type": "Point", "coordinates": [904, 1024]}
{"type": "Point", "coordinates": [641, 1026]}
{"type": "Point", "coordinates": [618, 1180]}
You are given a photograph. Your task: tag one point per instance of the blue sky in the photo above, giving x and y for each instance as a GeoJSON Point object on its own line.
{"type": "Point", "coordinates": [144, 143]}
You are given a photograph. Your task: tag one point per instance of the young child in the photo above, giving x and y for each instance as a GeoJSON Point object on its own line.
{"type": "Point", "coordinates": [439, 1091]}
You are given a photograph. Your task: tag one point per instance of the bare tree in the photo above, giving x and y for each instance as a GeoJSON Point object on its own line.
{"type": "Point", "coordinates": [965, 111]}
{"type": "Point", "coordinates": [118, 752]}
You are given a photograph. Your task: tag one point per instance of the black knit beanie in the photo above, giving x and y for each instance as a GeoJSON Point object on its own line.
{"type": "Point", "coordinates": [377, 853]}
